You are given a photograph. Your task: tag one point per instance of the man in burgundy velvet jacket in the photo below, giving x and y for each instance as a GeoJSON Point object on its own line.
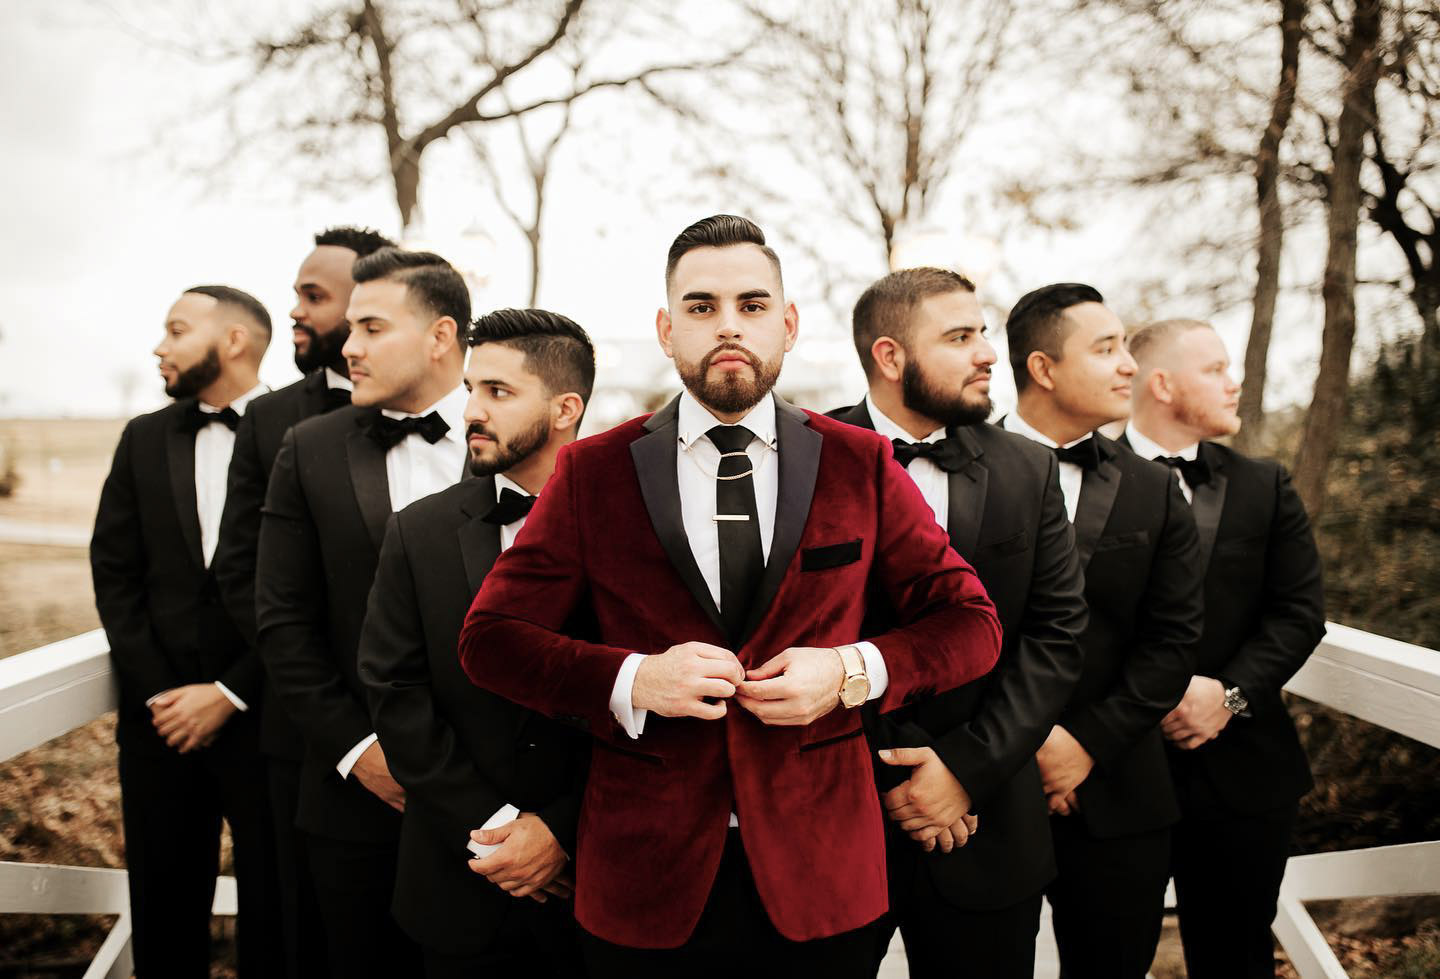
{"type": "Point", "coordinates": [723, 550]}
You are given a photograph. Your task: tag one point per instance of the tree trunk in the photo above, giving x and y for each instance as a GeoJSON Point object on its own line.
{"type": "Point", "coordinates": [533, 237]}
{"type": "Point", "coordinates": [405, 169]}
{"type": "Point", "coordinates": [1332, 384]}
{"type": "Point", "coordinates": [1272, 228]}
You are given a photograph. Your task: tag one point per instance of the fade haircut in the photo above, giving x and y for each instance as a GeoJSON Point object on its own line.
{"type": "Point", "coordinates": [361, 241]}
{"type": "Point", "coordinates": [719, 231]}
{"type": "Point", "coordinates": [429, 280]}
{"type": "Point", "coordinates": [1037, 322]}
{"type": "Point", "coordinates": [1147, 341]}
{"type": "Point", "coordinates": [557, 350]}
{"type": "Point", "coordinates": [887, 308]}
{"type": "Point", "coordinates": [236, 301]}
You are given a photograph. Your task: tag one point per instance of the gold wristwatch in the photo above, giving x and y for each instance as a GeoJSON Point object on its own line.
{"type": "Point", "coordinates": [855, 688]}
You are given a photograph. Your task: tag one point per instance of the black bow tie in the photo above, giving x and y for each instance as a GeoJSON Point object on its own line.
{"type": "Point", "coordinates": [389, 432]}
{"type": "Point", "coordinates": [1196, 471]}
{"type": "Point", "coordinates": [336, 398]}
{"type": "Point", "coordinates": [511, 506]}
{"type": "Point", "coordinates": [195, 419]}
{"type": "Point", "coordinates": [1084, 454]}
{"type": "Point", "coordinates": [947, 453]}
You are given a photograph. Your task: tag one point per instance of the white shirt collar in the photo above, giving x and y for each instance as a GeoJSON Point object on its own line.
{"type": "Point", "coordinates": [1148, 449]}
{"type": "Point", "coordinates": [695, 420]}
{"type": "Point", "coordinates": [239, 404]}
{"type": "Point", "coordinates": [504, 482]}
{"type": "Point", "coordinates": [885, 426]}
{"type": "Point", "coordinates": [1014, 423]}
{"type": "Point", "coordinates": [335, 379]}
{"type": "Point", "coordinates": [451, 408]}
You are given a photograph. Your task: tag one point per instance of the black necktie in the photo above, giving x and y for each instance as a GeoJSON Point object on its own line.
{"type": "Point", "coordinates": [389, 432]}
{"type": "Point", "coordinates": [335, 398]}
{"type": "Point", "coordinates": [742, 559]}
{"type": "Point", "coordinates": [511, 507]}
{"type": "Point", "coordinates": [196, 419]}
{"type": "Point", "coordinates": [1084, 454]}
{"type": "Point", "coordinates": [947, 453]}
{"type": "Point", "coordinates": [1195, 471]}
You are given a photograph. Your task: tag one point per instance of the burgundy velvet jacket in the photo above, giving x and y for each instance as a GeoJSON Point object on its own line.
{"type": "Point", "coordinates": [606, 543]}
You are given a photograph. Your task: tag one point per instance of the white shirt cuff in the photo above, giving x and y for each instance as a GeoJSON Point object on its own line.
{"type": "Point", "coordinates": [353, 755]}
{"type": "Point", "coordinates": [230, 696]}
{"type": "Point", "coordinates": [622, 704]}
{"type": "Point", "coordinates": [875, 669]}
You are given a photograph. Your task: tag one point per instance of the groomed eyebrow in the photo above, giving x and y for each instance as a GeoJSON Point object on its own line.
{"type": "Point", "coordinates": [308, 285]}
{"type": "Point", "coordinates": [175, 322]}
{"type": "Point", "coordinates": [494, 382]}
{"type": "Point", "coordinates": [371, 319]}
{"type": "Point", "coordinates": [1107, 338]}
{"type": "Point", "coordinates": [708, 296]}
{"type": "Point", "coordinates": [964, 328]}
{"type": "Point", "coordinates": [754, 294]}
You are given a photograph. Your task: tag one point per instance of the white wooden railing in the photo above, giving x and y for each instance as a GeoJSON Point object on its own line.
{"type": "Point", "coordinates": [54, 689]}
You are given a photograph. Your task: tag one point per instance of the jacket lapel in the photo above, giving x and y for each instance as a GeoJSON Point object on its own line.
{"type": "Point", "coordinates": [655, 455]}
{"type": "Point", "coordinates": [316, 392]}
{"type": "Point", "coordinates": [967, 496]}
{"type": "Point", "coordinates": [1208, 503]}
{"type": "Point", "coordinates": [1097, 497]}
{"type": "Point", "coordinates": [368, 477]}
{"type": "Point", "coordinates": [479, 541]}
{"type": "Point", "coordinates": [799, 448]}
{"type": "Point", "coordinates": [180, 456]}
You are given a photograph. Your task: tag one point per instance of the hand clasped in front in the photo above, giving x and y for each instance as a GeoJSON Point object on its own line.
{"type": "Point", "coordinates": [695, 679]}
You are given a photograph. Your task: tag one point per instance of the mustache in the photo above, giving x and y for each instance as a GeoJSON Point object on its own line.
{"type": "Point", "coordinates": [731, 348]}
{"type": "Point", "coordinates": [309, 331]}
{"type": "Point", "coordinates": [476, 428]}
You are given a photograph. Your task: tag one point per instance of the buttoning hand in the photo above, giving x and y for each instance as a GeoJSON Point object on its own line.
{"type": "Point", "coordinates": [189, 717]}
{"type": "Point", "coordinates": [374, 773]}
{"type": "Point", "coordinates": [529, 860]}
{"type": "Point", "coordinates": [931, 805]}
{"type": "Point", "coordinates": [1200, 716]}
{"type": "Point", "coordinates": [1063, 763]}
{"type": "Point", "coordinates": [797, 687]}
{"type": "Point", "coordinates": [677, 682]}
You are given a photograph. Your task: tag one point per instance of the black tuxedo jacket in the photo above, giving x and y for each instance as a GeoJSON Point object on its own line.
{"type": "Point", "coordinates": [1264, 615]}
{"type": "Point", "coordinates": [320, 533]}
{"type": "Point", "coordinates": [159, 604]}
{"type": "Point", "coordinates": [460, 752]}
{"type": "Point", "coordinates": [1007, 518]}
{"type": "Point", "coordinates": [1139, 551]}
{"type": "Point", "coordinates": [257, 440]}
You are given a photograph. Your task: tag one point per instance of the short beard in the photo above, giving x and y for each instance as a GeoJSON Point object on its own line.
{"type": "Point", "coordinates": [730, 395]}
{"type": "Point", "coordinates": [509, 454]}
{"type": "Point", "coordinates": [192, 380]}
{"type": "Point", "coordinates": [324, 349]}
{"type": "Point", "coordinates": [950, 410]}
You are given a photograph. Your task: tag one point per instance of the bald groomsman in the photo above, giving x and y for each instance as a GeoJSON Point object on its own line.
{"type": "Point", "coordinates": [1238, 767]}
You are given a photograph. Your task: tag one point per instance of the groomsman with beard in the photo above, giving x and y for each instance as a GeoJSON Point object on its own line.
{"type": "Point", "coordinates": [463, 754]}
{"type": "Point", "coordinates": [970, 908]}
{"type": "Point", "coordinates": [337, 479]}
{"type": "Point", "coordinates": [189, 682]}
{"type": "Point", "coordinates": [1103, 764]}
{"type": "Point", "coordinates": [1237, 764]}
{"type": "Point", "coordinates": [322, 291]}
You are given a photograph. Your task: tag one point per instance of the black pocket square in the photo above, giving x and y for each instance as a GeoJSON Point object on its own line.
{"type": "Point", "coordinates": [830, 556]}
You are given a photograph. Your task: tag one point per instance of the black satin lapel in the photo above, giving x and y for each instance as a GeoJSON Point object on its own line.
{"type": "Point", "coordinates": [1097, 497]}
{"type": "Point", "coordinates": [655, 457]}
{"type": "Point", "coordinates": [479, 541]}
{"type": "Point", "coordinates": [967, 507]}
{"type": "Point", "coordinates": [180, 456]}
{"type": "Point", "coordinates": [1207, 504]}
{"type": "Point", "coordinates": [372, 485]}
{"type": "Point", "coordinates": [316, 393]}
{"type": "Point", "coordinates": [858, 415]}
{"type": "Point", "coordinates": [799, 448]}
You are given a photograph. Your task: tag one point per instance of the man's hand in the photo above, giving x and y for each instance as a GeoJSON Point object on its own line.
{"type": "Point", "coordinates": [1064, 764]}
{"type": "Point", "coordinates": [374, 774]}
{"type": "Point", "coordinates": [529, 860]}
{"type": "Point", "coordinates": [797, 687]}
{"type": "Point", "coordinates": [677, 682]}
{"type": "Point", "coordinates": [1062, 805]}
{"type": "Point", "coordinates": [189, 717]}
{"type": "Point", "coordinates": [931, 805]}
{"type": "Point", "coordinates": [1200, 715]}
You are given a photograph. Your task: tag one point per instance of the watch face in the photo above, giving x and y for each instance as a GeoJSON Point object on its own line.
{"type": "Point", "coordinates": [855, 690]}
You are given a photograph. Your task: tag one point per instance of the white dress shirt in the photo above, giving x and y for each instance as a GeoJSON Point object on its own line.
{"type": "Point", "coordinates": [509, 530]}
{"type": "Point", "coordinates": [697, 462]}
{"type": "Point", "coordinates": [414, 469]}
{"type": "Point", "coordinates": [933, 482]}
{"type": "Point", "coordinates": [1147, 449]}
{"type": "Point", "coordinates": [1071, 475]}
{"type": "Point", "coordinates": [335, 379]}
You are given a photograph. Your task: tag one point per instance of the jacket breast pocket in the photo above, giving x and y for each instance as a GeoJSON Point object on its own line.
{"type": "Point", "coordinates": [1242, 547]}
{"type": "Point", "coordinates": [830, 555]}
{"type": "Point", "coordinates": [1014, 544]}
{"type": "Point", "coordinates": [1119, 542]}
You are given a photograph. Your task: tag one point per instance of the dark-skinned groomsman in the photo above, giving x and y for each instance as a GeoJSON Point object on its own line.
{"type": "Point", "coordinates": [970, 908]}
{"type": "Point", "coordinates": [190, 684]}
{"type": "Point", "coordinates": [461, 753]}
{"type": "Point", "coordinates": [1103, 765]}
{"type": "Point", "coordinates": [322, 291]}
{"type": "Point", "coordinates": [1238, 767]}
{"type": "Point", "coordinates": [337, 479]}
